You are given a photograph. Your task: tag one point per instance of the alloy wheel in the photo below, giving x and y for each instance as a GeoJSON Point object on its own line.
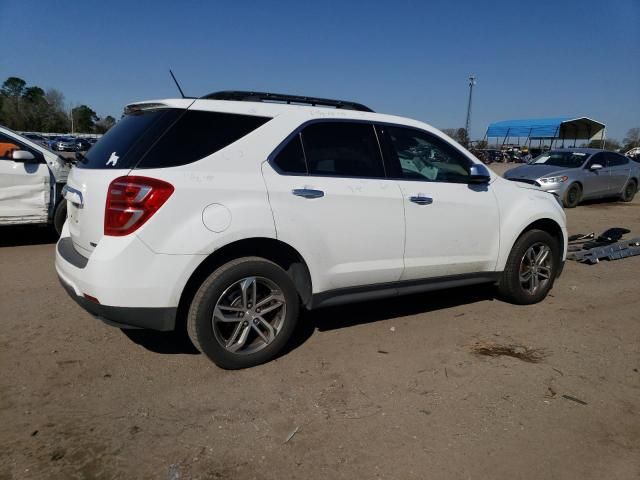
{"type": "Point", "coordinates": [536, 268]}
{"type": "Point", "coordinates": [249, 315]}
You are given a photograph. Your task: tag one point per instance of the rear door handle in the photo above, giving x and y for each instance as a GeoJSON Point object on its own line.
{"type": "Point", "coordinates": [421, 200]}
{"type": "Point", "coordinates": [308, 193]}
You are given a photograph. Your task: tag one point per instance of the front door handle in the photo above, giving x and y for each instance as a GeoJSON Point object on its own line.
{"type": "Point", "coordinates": [421, 200]}
{"type": "Point", "coordinates": [308, 193]}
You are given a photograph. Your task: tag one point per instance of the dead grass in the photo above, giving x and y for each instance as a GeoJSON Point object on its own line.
{"type": "Point", "coordinates": [526, 354]}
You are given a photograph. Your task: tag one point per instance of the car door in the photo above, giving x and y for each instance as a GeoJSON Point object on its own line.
{"type": "Point", "coordinates": [452, 226]}
{"type": "Point", "coordinates": [619, 172]}
{"type": "Point", "coordinates": [596, 182]}
{"type": "Point", "coordinates": [24, 186]}
{"type": "Point", "coordinates": [331, 201]}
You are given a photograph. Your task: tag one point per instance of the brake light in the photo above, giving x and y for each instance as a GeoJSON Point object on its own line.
{"type": "Point", "coordinates": [131, 201]}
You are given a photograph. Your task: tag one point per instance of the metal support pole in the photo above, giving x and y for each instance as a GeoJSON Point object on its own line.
{"type": "Point", "coordinates": [472, 82]}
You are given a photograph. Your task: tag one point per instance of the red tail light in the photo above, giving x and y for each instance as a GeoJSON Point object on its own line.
{"type": "Point", "coordinates": [131, 201]}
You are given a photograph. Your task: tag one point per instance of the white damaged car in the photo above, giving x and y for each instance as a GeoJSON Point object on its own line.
{"type": "Point", "coordinates": [31, 182]}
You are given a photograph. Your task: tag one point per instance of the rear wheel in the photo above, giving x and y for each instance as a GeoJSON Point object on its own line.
{"type": "Point", "coordinates": [60, 216]}
{"type": "Point", "coordinates": [531, 268]}
{"type": "Point", "coordinates": [629, 191]}
{"type": "Point", "coordinates": [572, 196]}
{"type": "Point", "coordinates": [244, 313]}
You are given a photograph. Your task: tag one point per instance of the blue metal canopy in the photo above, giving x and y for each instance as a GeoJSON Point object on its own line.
{"type": "Point", "coordinates": [558, 127]}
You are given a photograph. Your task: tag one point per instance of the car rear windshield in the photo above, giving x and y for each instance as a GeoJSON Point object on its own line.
{"type": "Point", "coordinates": [167, 138]}
{"type": "Point", "coordinates": [561, 159]}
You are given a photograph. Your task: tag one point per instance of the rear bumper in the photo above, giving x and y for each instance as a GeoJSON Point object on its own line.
{"type": "Point", "coordinates": [123, 282]}
{"type": "Point", "coordinates": [163, 319]}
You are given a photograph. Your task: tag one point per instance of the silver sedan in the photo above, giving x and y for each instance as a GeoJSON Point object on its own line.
{"type": "Point", "coordinates": [577, 174]}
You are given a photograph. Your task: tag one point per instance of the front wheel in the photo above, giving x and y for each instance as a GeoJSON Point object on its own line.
{"type": "Point", "coordinates": [572, 196]}
{"type": "Point", "coordinates": [629, 191]}
{"type": "Point", "coordinates": [531, 268]}
{"type": "Point", "coordinates": [244, 313]}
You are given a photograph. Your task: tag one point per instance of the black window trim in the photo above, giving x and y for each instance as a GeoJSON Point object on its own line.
{"type": "Point", "coordinates": [382, 145]}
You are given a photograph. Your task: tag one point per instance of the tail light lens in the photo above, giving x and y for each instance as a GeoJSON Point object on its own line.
{"type": "Point", "coordinates": [131, 201]}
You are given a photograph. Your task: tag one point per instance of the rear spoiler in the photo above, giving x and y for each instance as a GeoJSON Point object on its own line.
{"type": "Point", "coordinates": [141, 107]}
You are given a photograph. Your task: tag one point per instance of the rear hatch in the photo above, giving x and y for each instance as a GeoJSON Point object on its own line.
{"type": "Point", "coordinates": [113, 156]}
{"type": "Point", "coordinates": [150, 136]}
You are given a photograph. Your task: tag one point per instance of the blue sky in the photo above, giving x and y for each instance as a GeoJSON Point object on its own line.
{"type": "Point", "coordinates": [412, 58]}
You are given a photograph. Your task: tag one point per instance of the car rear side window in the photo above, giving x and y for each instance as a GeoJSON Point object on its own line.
{"type": "Point", "coordinates": [124, 144]}
{"type": "Point", "coordinates": [615, 160]}
{"type": "Point", "coordinates": [342, 149]}
{"type": "Point", "coordinates": [290, 160]}
{"type": "Point", "coordinates": [196, 135]}
{"type": "Point", "coordinates": [167, 138]}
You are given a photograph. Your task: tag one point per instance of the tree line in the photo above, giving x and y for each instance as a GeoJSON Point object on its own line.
{"type": "Point", "coordinates": [30, 108]}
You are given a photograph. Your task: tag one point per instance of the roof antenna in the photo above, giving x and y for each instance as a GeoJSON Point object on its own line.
{"type": "Point", "coordinates": [177, 84]}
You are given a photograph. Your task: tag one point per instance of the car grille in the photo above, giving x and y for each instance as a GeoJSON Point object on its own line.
{"type": "Point", "coordinates": [525, 180]}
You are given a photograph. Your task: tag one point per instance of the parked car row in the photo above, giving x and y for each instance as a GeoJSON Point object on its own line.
{"type": "Point", "coordinates": [65, 143]}
{"type": "Point", "coordinates": [71, 144]}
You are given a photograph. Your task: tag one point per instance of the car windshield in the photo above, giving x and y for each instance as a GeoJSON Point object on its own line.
{"type": "Point", "coordinates": [561, 159]}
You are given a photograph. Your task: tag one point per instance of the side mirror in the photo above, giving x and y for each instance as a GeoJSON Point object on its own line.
{"type": "Point", "coordinates": [479, 174]}
{"type": "Point", "coordinates": [595, 167]}
{"type": "Point", "coordinates": [23, 156]}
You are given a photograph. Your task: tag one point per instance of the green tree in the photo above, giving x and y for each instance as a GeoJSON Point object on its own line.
{"type": "Point", "coordinates": [56, 118]}
{"type": "Point", "coordinates": [104, 124]}
{"type": "Point", "coordinates": [84, 119]}
{"type": "Point", "coordinates": [13, 87]}
{"type": "Point", "coordinates": [12, 113]}
{"type": "Point", "coordinates": [458, 134]}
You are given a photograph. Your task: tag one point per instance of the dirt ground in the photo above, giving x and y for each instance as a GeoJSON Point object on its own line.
{"type": "Point", "coordinates": [388, 389]}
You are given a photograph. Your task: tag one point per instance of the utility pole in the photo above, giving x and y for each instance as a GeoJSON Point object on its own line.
{"type": "Point", "coordinates": [71, 115]}
{"type": "Point", "coordinates": [472, 82]}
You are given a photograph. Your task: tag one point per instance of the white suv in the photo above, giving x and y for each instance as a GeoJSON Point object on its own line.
{"type": "Point", "coordinates": [226, 214]}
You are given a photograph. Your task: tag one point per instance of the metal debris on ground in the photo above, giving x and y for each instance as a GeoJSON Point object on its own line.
{"type": "Point", "coordinates": [292, 434]}
{"type": "Point", "coordinates": [586, 248]}
{"type": "Point", "coordinates": [574, 399]}
{"type": "Point", "coordinates": [526, 354]}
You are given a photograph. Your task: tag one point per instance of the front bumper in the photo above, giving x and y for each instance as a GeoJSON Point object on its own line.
{"type": "Point", "coordinates": [123, 282]}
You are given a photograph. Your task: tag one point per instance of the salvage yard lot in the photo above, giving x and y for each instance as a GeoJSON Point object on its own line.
{"type": "Point", "coordinates": [387, 389]}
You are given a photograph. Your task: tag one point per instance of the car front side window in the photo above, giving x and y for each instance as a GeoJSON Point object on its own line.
{"type": "Point", "coordinates": [419, 155]}
{"type": "Point", "coordinates": [597, 159]}
{"type": "Point", "coordinates": [7, 147]}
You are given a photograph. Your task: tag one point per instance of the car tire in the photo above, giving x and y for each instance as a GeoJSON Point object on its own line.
{"type": "Point", "coordinates": [629, 191]}
{"type": "Point", "coordinates": [521, 284]}
{"type": "Point", "coordinates": [60, 216]}
{"type": "Point", "coordinates": [227, 327]}
{"type": "Point", "coordinates": [572, 196]}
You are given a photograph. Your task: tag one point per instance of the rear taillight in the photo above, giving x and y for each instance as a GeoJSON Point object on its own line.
{"type": "Point", "coordinates": [131, 201]}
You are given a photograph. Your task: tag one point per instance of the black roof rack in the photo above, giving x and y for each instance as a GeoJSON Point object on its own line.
{"type": "Point", "coordinates": [283, 98]}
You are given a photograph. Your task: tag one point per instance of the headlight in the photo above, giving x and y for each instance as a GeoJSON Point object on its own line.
{"type": "Point", "coordinates": [549, 180]}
